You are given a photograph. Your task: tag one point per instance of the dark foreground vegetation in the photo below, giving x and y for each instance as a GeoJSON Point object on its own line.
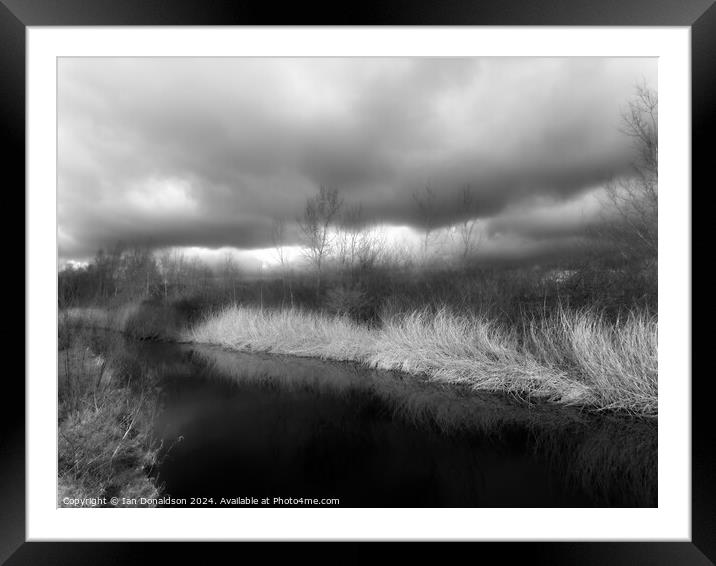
{"type": "Point", "coordinates": [106, 408]}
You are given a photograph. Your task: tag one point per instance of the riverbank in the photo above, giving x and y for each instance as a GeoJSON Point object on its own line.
{"type": "Point", "coordinates": [106, 405]}
{"type": "Point", "coordinates": [607, 456]}
{"type": "Point", "coordinates": [569, 358]}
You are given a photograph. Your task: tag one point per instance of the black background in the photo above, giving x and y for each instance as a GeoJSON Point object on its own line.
{"type": "Point", "coordinates": [16, 15]}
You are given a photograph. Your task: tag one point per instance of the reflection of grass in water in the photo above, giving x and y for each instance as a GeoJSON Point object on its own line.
{"type": "Point", "coordinates": [106, 406]}
{"type": "Point", "coordinates": [572, 358]}
{"type": "Point", "coordinates": [610, 458]}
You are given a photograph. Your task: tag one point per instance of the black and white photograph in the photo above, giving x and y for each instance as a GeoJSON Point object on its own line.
{"type": "Point", "coordinates": [357, 282]}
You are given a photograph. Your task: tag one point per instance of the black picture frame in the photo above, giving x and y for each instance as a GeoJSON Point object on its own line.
{"type": "Point", "coordinates": [17, 15]}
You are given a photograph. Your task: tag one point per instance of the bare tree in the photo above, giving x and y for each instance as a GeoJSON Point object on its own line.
{"type": "Point", "coordinates": [171, 265]}
{"type": "Point", "coordinates": [196, 275]}
{"type": "Point", "coordinates": [370, 248]}
{"type": "Point", "coordinates": [139, 270]}
{"type": "Point", "coordinates": [278, 236]}
{"type": "Point", "coordinates": [164, 266]}
{"type": "Point", "coordinates": [114, 258]}
{"type": "Point", "coordinates": [348, 237]}
{"type": "Point", "coordinates": [634, 198]}
{"type": "Point", "coordinates": [231, 273]}
{"type": "Point", "coordinates": [359, 245]}
{"type": "Point", "coordinates": [103, 273]}
{"type": "Point", "coordinates": [468, 234]}
{"type": "Point", "coordinates": [321, 212]}
{"type": "Point", "coordinates": [425, 205]}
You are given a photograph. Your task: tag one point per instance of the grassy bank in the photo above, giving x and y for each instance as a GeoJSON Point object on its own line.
{"type": "Point", "coordinates": [105, 411]}
{"type": "Point", "coordinates": [573, 357]}
{"type": "Point", "coordinates": [570, 357]}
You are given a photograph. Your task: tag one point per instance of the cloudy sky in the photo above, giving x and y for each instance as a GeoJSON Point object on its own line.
{"type": "Point", "coordinates": [204, 153]}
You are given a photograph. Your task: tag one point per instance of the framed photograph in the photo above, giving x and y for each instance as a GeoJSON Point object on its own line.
{"type": "Point", "coordinates": [367, 276]}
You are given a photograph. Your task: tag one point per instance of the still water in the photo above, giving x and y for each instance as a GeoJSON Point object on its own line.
{"type": "Point", "coordinates": [236, 425]}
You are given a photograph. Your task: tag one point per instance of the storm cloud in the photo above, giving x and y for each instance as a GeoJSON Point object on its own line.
{"type": "Point", "coordinates": [207, 152]}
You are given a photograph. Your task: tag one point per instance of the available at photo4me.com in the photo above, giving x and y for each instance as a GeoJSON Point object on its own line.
{"type": "Point", "coordinates": [168, 501]}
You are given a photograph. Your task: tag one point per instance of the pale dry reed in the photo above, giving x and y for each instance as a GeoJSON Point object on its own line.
{"type": "Point", "coordinates": [574, 358]}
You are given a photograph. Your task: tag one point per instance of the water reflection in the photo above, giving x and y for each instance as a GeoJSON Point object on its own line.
{"type": "Point", "coordinates": [254, 425]}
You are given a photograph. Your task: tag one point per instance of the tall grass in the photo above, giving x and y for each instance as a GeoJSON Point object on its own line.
{"type": "Point", "coordinates": [293, 331]}
{"type": "Point", "coordinates": [463, 349]}
{"type": "Point", "coordinates": [617, 360]}
{"type": "Point", "coordinates": [105, 414]}
{"type": "Point", "coordinates": [571, 357]}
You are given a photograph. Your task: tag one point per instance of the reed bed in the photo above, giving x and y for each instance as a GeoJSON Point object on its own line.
{"type": "Point", "coordinates": [570, 357]}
